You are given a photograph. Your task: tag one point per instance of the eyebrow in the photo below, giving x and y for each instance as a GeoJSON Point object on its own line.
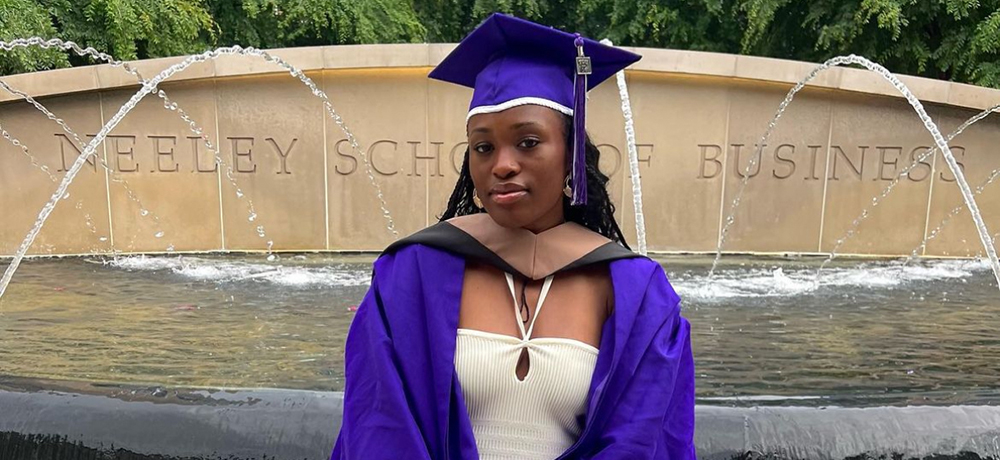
{"type": "Point", "coordinates": [486, 130]}
{"type": "Point", "coordinates": [525, 123]}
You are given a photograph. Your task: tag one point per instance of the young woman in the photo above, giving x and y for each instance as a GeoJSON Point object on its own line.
{"type": "Point", "coordinates": [521, 326]}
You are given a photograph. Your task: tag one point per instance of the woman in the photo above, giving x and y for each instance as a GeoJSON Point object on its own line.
{"type": "Point", "coordinates": [451, 354]}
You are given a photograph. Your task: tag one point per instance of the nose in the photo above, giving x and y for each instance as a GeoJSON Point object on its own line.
{"type": "Point", "coordinates": [506, 164]}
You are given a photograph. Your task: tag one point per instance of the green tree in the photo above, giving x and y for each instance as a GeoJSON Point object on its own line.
{"type": "Point", "coordinates": [283, 23]}
{"type": "Point", "coordinates": [125, 29]}
{"type": "Point", "coordinates": [946, 39]}
{"type": "Point", "coordinates": [24, 19]}
{"type": "Point", "coordinates": [134, 29]}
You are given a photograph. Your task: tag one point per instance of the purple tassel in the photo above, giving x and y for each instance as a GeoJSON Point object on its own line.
{"type": "Point", "coordinates": [580, 125]}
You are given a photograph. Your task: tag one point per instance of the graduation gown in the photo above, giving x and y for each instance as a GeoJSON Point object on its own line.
{"type": "Point", "coordinates": [402, 396]}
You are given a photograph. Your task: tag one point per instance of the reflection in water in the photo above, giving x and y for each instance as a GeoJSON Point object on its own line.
{"type": "Point", "coordinates": [764, 331]}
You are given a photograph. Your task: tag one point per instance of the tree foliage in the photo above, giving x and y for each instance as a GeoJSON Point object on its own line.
{"type": "Point", "coordinates": [284, 23]}
{"type": "Point", "coordinates": [946, 39]}
{"type": "Point", "coordinates": [131, 29]}
{"type": "Point", "coordinates": [23, 19]}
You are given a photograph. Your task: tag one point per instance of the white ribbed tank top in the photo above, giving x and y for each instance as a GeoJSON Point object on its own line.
{"type": "Point", "coordinates": [537, 418]}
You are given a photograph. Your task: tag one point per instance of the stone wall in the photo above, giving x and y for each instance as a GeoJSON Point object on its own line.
{"type": "Point", "coordinates": [698, 117]}
{"type": "Point", "coordinates": [68, 420]}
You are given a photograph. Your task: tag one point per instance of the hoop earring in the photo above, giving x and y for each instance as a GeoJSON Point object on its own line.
{"type": "Point", "coordinates": [567, 189]}
{"type": "Point", "coordinates": [476, 201]}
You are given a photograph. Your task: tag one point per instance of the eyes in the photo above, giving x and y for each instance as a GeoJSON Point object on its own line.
{"type": "Point", "coordinates": [527, 143]}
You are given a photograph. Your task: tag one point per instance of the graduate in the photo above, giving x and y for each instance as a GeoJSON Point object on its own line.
{"type": "Point", "coordinates": [521, 326]}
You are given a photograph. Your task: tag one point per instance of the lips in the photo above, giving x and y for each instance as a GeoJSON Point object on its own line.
{"type": "Point", "coordinates": [508, 193]}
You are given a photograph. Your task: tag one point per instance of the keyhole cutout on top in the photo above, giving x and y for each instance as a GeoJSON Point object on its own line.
{"type": "Point", "coordinates": [523, 365]}
{"type": "Point", "coordinates": [524, 359]}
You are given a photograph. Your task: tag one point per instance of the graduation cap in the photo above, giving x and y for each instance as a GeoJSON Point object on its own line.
{"type": "Point", "coordinates": [510, 62]}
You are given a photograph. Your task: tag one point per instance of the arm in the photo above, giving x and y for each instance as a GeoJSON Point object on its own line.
{"type": "Point", "coordinates": [377, 421]}
{"type": "Point", "coordinates": [651, 414]}
{"type": "Point", "coordinates": [677, 434]}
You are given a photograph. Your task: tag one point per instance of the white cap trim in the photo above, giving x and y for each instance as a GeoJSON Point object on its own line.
{"type": "Point", "coordinates": [519, 102]}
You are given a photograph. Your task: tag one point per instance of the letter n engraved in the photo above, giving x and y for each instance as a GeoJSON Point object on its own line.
{"type": "Point", "coordinates": [63, 142]}
{"type": "Point", "coordinates": [857, 168]}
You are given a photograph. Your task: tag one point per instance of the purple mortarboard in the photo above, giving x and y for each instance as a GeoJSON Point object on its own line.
{"type": "Point", "coordinates": [510, 62]}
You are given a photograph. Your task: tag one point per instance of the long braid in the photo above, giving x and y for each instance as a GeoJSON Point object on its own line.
{"type": "Point", "coordinates": [460, 203]}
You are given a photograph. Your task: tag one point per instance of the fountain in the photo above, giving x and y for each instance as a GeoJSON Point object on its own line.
{"type": "Point", "coordinates": [149, 86]}
{"type": "Point", "coordinates": [942, 145]}
{"type": "Point", "coordinates": [182, 354]}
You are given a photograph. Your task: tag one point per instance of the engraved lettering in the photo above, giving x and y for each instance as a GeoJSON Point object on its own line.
{"type": "Point", "coordinates": [196, 142]}
{"type": "Point", "coordinates": [371, 156]}
{"type": "Point", "coordinates": [638, 153]}
{"type": "Point", "coordinates": [813, 153]}
{"type": "Point", "coordinates": [238, 154]}
{"type": "Point", "coordinates": [882, 163]}
{"type": "Point", "coordinates": [62, 152]}
{"type": "Point", "coordinates": [617, 155]}
{"type": "Point", "coordinates": [740, 167]}
{"type": "Point", "coordinates": [353, 161]}
{"type": "Point", "coordinates": [925, 164]}
{"type": "Point", "coordinates": [164, 154]}
{"type": "Point", "coordinates": [785, 161]}
{"type": "Point", "coordinates": [705, 160]}
{"type": "Point", "coordinates": [119, 153]}
{"type": "Point", "coordinates": [414, 156]}
{"type": "Point", "coordinates": [460, 147]}
{"type": "Point", "coordinates": [959, 152]}
{"type": "Point", "coordinates": [282, 156]}
{"type": "Point", "coordinates": [858, 169]}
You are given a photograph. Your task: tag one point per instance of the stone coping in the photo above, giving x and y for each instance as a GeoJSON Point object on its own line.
{"type": "Point", "coordinates": [660, 61]}
{"type": "Point", "coordinates": [158, 422]}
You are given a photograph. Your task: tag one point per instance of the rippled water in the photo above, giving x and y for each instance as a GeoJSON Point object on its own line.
{"type": "Point", "coordinates": [764, 331]}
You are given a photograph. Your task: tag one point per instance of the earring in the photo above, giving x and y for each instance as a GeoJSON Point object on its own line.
{"type": "Point", "coordinates": [567, 189]}
{"type": "Point", "coordinates": [476, 200]}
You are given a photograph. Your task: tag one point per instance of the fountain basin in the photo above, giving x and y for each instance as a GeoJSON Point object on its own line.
{"type": "Point", "coordinates": [86, 421]}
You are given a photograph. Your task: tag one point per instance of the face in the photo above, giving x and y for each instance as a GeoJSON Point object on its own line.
{"type": "Point", "coordinates": [517, 159]}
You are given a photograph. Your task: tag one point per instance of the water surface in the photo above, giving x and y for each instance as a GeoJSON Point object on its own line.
{"type": "Point", "coordinates": [764, 331]}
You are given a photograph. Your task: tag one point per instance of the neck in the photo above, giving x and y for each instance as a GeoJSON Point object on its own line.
{"type": "Point", "coordinates": [547, 221]}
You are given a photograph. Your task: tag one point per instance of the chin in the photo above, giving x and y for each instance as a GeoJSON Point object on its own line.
{"type": "Point", "coordinates": [508, 218]}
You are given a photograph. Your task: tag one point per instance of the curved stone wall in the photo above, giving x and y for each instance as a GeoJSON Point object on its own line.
{"type": "Point", "coordinates": [697, 117]}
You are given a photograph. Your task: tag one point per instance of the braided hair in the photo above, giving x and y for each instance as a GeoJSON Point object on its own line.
{"type": "Point", "coordinates": [597, 215]}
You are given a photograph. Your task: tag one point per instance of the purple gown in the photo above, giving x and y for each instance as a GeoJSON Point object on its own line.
{"type": "Point", "coordinates": [402, 396]}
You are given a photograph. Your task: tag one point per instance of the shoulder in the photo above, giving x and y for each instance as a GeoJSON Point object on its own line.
{"type": "Point", "coordinates": [441, 236]}
{"type": "Point", "coordinates": [414, 261]}
{"type": "Point", "coordinates": [638, 265]}
{"type": "Point", "coordinates": [645, 278]}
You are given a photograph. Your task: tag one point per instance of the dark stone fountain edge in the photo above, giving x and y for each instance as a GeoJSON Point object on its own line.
{"type": "Point", "coordinates": [46, 419]}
